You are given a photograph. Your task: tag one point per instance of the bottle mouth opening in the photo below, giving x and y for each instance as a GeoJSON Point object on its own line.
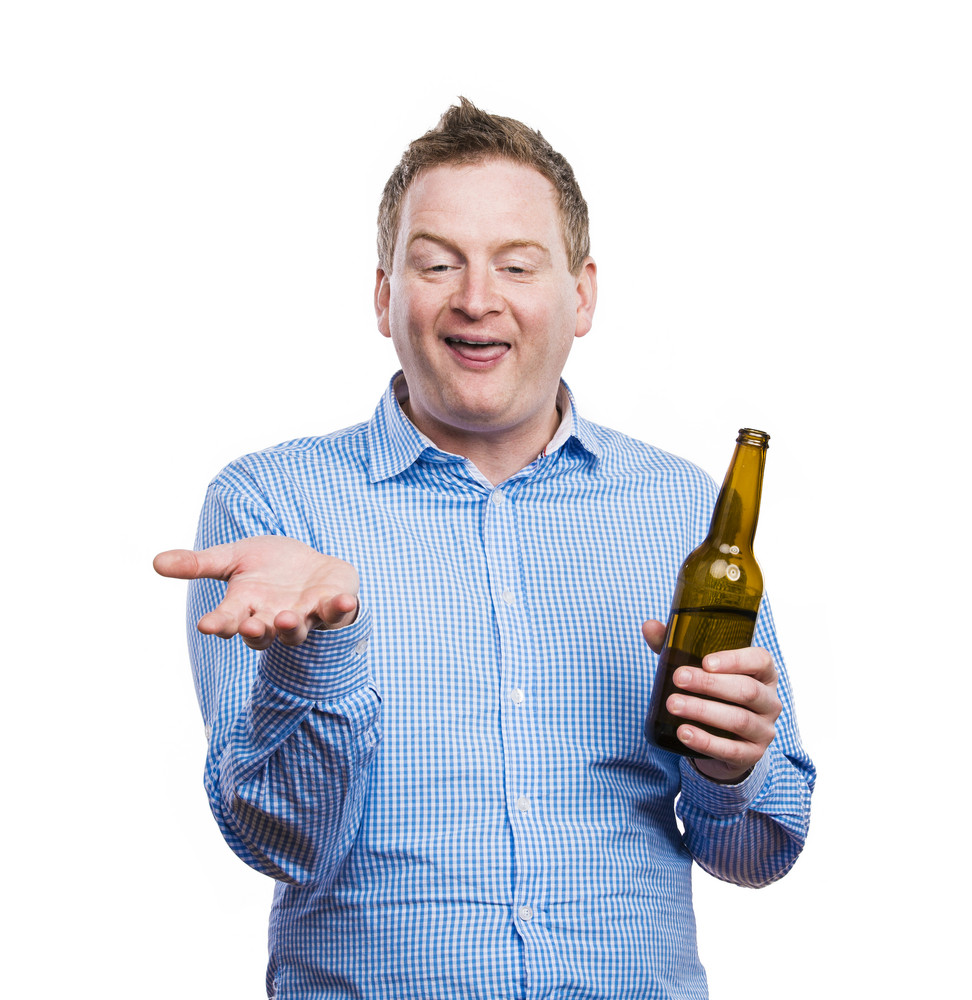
{"type": "Point", "coordinates": [749, 435]}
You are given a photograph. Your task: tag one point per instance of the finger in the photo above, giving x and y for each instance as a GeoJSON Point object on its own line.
{"type": "Point", "coordinates": [654, 633]}
{"type": "Point", "coordinates": [291, 628]}
{"type": "Point", "coordinates": [216, 563]}
{"type": "Point", "coordinates": [234, 618]}
{"type": "Point", "coordinates": [337, 611]}
{"type": "Point", "coordinates": [736, 756]}
{"type": "Point", "coordinates": [177, 564]}
{"type": "Point", "coordinates": [256, 633]}
{"type": "Point", "coordinates": [753, 660]}
{"type": "Point", "coordinates": [741, 722]}
{"type": "Point", "coordinates": [740, 689]}
{"type": "Point", "coordinates": [224, 620]}
{"type": "Point", "coordinates": [330, 613]}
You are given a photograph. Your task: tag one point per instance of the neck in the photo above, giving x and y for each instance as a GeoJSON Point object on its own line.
{"type": "Point", "coordinates": [497, 454]}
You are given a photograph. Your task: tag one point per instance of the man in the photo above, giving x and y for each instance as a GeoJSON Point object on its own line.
{"type": "Point", "coordinates": [427, 723]}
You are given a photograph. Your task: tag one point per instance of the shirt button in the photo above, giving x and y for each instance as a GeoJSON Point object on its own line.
{"type": "Point", "coordinates": [507, 596]}
{"type": "Point", "coordinates": [497, 496]}
{"type": "Point", "coordinates": [517, 696]}
{"type": "Point", "coordinates": [523, 804]}
{"type": "Point", "coordinates": [525, 912]}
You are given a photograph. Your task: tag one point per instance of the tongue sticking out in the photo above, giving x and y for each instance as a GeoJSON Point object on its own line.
{"type": "Point", "coordinates": [470, 351]}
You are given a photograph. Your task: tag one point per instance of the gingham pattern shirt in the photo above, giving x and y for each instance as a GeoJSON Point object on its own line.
{"type": "Point", "coordinates": [454, 793]}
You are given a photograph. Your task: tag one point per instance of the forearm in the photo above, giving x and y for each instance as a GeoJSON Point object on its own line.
{"type": "Point", "coordinates": [750, 833]}
{"type": "Point", "coordinates": [286, 777]}
{"type": "Point", "coordinates": [291, 728]}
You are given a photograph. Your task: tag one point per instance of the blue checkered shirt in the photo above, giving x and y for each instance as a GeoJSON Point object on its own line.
{"type": "Point", "coordinates": [454, 793]}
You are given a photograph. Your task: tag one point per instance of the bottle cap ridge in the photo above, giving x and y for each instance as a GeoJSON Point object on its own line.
{"type": "Point", "coordinates": [748, 435]}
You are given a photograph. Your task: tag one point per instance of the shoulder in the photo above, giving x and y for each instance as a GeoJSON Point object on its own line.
{"type": "Point", "coordinates": [305, 461]}
{"type": "Point", "coordinates": [624, 457]}
{"type": "Point", "coordinates": [645, 492]}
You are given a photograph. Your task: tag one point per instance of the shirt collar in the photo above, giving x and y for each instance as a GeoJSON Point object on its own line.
{"type": "Point", "coordinates": [565, 407]}
{"type": "Point", "coordinates": [395, 443]}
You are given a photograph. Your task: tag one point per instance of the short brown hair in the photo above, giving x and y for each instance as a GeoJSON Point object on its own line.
{"type": "Point", "coordinates": [465, 134]}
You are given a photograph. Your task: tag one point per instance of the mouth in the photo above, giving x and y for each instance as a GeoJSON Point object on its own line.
{"type": "Point", "coordinates": [479, 351]}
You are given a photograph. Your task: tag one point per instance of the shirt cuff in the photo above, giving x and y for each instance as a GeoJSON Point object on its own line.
{"type": "Point", "coordinates": [329, 665]}
{"type": "Point", "coordinates": [719, 799]}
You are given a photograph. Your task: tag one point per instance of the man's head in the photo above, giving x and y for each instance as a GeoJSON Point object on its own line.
{"type": "Point", "coordinates": [466, 135]}
{"type": "Point", "coordinates": [484, 301]}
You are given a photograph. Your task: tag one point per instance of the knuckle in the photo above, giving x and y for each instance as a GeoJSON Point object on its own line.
{"type": "Point", "coordinates": [740, 720]}
{"type": "Point", "coordinates": [701, 738]}
{"type": "Point", "coordinates": [735, 752]}
{"type": "Point", "coordinates": [750, 690]}
{"type": "Point", "coordinates": [767, 667]}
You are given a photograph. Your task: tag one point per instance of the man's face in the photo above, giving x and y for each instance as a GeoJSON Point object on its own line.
{"type": "Point", "coordinates": [481, 306]}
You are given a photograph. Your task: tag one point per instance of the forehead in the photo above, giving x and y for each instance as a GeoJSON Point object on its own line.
{"type": "Point", "coordinates": [493, 200]}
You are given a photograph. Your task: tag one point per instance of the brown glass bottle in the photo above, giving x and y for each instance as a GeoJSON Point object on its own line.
{"type": "Point", "coordinates": [717, 592]}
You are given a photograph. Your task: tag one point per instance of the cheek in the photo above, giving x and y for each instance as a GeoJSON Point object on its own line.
{"type": "Point", "coordinates": [412, 314]}
{"type": "Point", "coordinates": [560, 321]}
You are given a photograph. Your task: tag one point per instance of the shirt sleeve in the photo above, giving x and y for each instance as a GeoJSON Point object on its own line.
{"type": "Point", "coordinates": [291, 730]}
{"type": "Point", "coordinates": [751, 833]}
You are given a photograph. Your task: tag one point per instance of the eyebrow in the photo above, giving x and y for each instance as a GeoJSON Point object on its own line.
{"type": "Point", "coordinates": [445, 241]}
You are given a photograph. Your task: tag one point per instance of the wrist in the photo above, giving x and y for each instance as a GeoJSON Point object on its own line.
{"type": "Point", "coordinates": [328, 665]}
{"type": "Point", "coordinates": [721, 772]}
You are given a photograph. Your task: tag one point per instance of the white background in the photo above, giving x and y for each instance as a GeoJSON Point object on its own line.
{"type": "Point", "coordinates": [781, 212]}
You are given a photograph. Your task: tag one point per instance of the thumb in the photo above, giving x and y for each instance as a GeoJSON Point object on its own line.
{"type": "Point", "coordinates": [216, 563]}
{"type": "Point", "coordinates": [178, 564]}
{"type": "Point", "coordinates": [654, 633]}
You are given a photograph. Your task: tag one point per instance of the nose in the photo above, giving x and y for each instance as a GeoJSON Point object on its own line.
{"type": "Point", "coordinates": [475, 293]}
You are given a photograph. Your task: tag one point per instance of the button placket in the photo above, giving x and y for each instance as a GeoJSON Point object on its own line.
{"type": "Point", "coordinates": [518, 725]}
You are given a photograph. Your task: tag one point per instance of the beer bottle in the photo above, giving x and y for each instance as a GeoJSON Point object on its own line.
{"type": "Point", "coordinates": [717, 592]}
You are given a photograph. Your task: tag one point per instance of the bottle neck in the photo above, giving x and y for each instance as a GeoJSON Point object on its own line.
{"type": "Point", "coordinates": [737, 509]}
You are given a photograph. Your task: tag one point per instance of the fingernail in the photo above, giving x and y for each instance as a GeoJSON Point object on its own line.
{"type": "Point", "coordinates": [676, 704]}
{"type": "Point", "coordinates": [683, 677]}
{"type": "Point", "coordinates": [712, 662]}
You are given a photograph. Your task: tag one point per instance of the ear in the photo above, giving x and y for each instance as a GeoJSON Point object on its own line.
{"type": "Point", "coordinates": [382, 299]}
{"type": "Point", "coordinates": [586, 297]}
